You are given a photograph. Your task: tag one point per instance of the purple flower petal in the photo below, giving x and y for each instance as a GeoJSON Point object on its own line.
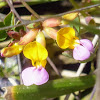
{"type": "Point", "coordinates": [81, 53]}
{"type": "Point", "coordinates": [33, 75]}
{"type": "Point", "coordinates": [87, 44]}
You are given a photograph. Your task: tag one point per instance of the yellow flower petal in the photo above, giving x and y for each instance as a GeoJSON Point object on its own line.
{"type": "Point", "coordinates": [39, 63]}
{"type": "Point", "coordinates": [11, 51]}
{"type": "Point", "coordinates": [74, 43]}
{"type": "Point", "coordinates": [35, 51]}
{"type": "Point", "coordinates": [41, 38]}
{"type": "Point", "coordinates": [70, 16]}
{"type": "Point", "coordinates": [65, 36]}
{"type": "Point", "coordinates": [43, 63]}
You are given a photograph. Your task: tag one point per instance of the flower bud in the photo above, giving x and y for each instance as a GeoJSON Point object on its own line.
{"type": "Point", "coordinates": [13, 34]}
{"type": "Point", "coordinates": [22, 32]}
{"type": "Point", "coordinates": [28, 37]}
{"type": "Point", "coordinates": [52, 22]}
{"type": "Point", "coordinates": [89, 20]}
{"type": "Point", "coordinates": [41, 38]}
{"type": "Point", "coordinates": [64, 22]}
{"type": "Point", "coordinates": [11, 51]}
{"type": "Point", "coordinates": [70, 16]}
{"type": "Point", "coordinates": [51, 32]}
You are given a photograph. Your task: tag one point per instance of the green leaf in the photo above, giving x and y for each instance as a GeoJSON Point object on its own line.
{"type": "Point", "coordinates": [30, 26]}
{"type": "Point", "coordinates": [19, 27]}
{"type": "Point", "coordinates": [33, 25]}
{"type": "Point", "coordinates": [3, 35]}
{"type": "Point", "coordinates": [1, 24]}
{"type": "Point", "coordinates": [9, 19]}
{"type": "Point", "coordinates": [77, 27]}
{"type": "Point", "coordinates": [51, 89]}
{"type": "Point", "coordinates": [90, 28]}
{"type": "Point", "coordinates": [33, 18]}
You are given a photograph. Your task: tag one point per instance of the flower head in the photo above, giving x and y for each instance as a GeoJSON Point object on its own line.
{"type": "Point", "coordinates": [66, 38]}
{"type": "Point", "coordinates": [81, 48]}
{"type": "Point", "coordinates": [36, 74]}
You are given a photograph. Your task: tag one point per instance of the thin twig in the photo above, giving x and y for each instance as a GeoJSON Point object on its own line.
{"type": "Point", "coordinates": [80, 69]}
{"type": "Point", "coordinates": [57, 15]}
{"type": "Point", "coordinates": [10, 3]}
{"type": "Point", "coordinates": [66, 97]}
{"type": "Point", "coordinates": [30, 9]}
{"type": "Point", "coordinates": [76, 96]}
{"type": "Point", "coordinates": [19, 67]}
{"type": "Point", "coordinates": [93, 92]}
{"type": "Point", "coordinates": [98, 75]}
{"type": "Point", "coordinates": [13, 9]}
{"type": "Point", "coordinates": [12, 81]}
{"type": "Point", "coordinates": [53, 66]}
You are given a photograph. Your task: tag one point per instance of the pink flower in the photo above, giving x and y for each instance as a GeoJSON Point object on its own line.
{"type": "Point", "coordinates": [83, 50]}
{"type": "Point", "coordinates": [33, 75]}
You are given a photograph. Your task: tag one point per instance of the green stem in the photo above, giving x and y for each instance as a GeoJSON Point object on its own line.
{"type": "Point", "coordinates": [51, 89]}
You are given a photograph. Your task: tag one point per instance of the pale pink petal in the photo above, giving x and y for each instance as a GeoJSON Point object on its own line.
{"type": "Point", "coordinates": [81, 53]}
{"type": "Point", "coordinates": [33, 75]}
{"type": "Point", "coordinates": [88, 19]}
{"type": "Point", "coordinates": [87, 43]}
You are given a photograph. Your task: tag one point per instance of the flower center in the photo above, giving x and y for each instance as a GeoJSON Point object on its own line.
{"type": "Point", "coordinates": [74, 42]}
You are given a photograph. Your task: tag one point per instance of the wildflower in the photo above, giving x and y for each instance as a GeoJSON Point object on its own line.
{"type": "Point", "coordinates": [81, 48]}
{"type": "Point", "coordinates": [36, 74]}
{"type": "Point", "coordinates": [15, 49]}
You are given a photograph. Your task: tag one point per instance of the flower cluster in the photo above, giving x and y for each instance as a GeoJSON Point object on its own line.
{"type": "Point", "coordinates": [36, 51]}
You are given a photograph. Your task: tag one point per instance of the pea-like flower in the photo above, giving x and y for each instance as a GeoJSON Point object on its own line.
{"type": "Point", "coordinates": [81, 48]}
{"type": "Point", "coordinates": [36, 74]}
{"type": "Point", "coordinates": [15, 49]}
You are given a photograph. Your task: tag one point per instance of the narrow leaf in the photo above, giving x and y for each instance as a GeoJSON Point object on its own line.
{"type": "Point", "coordinates": [77, 27]}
